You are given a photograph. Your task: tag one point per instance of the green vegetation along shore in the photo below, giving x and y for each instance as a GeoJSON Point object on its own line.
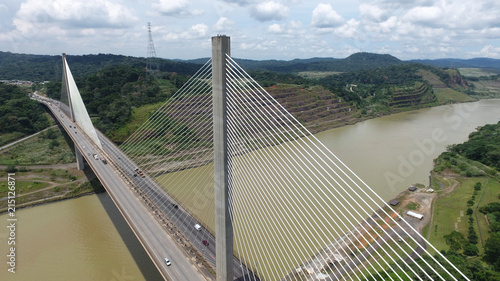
{"type": "Point", "coordinates": [120, 97]}
{"type": "Point", "coordinates": [466, 214]}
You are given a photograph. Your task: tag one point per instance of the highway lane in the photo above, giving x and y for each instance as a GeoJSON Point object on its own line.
{"type": "Point", "coordinates": [183, 221]}
{"type": "Point", "coordinates": [149, 232]}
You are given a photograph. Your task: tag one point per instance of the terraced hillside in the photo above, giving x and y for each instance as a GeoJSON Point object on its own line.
{"type": "Point", "coordinates": [315, 107]}
{"type": "Point", "coordinates": [421, 96]}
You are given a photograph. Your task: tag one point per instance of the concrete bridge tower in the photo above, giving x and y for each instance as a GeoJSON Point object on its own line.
{"type": "Point", "coordinates": [223, 223]}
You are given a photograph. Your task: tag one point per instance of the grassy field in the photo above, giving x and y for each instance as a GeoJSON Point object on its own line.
{"type": "Point", "coordinates": [45, 185]}
{"type": "Point", "coordinates": [488, 88]}
{"type": "Point", "coordinates": [450, 208]}
{"type": "Point", "coordinates": [51, 147]}
{"type": "Point", "coordinates": [317, 74]}
{"type": "Point", "coordinates": [443, 92]}
{"type": "Point", "coordinates": [477, 72]}
{"type": "Point", "coordinates": [449, 95]}
{"type": "Point", "coordinates": [139, 116]}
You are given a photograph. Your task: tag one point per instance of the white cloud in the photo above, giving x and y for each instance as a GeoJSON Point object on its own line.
{"type": "Point", "coordinates": [430, 16]}
{"type": "Point", "coordinates": [197, 31]}
{"type": "Point", "coordinates": [170, 7]}
{"type": "Point", "coordinates": [384, 27]}
{"type": "Point", "coordinates": [349, 29]}
{"type": "Point", "coordinates": [175, 8]}
{"type": "Point", "coordinates": [489, 51]}
{"type": "Point", "coordinates": [275, 28]}
{"type": "Point", "coordinates": [240, 2]}
{"type": "Point", "coordinates": [223, 24]}
{"type": "Point", "coordinates": [324, 16]}
{"type": "Point", "coordinates": [36, 16]}
{"type": "Point", "coordinates": [290, 29]}
{"type": "Point", "coordinates": [266, 28]}
{"type": "Point", "coordinates": [373, 13]}
{"type": "Point", "coordinates": [268, 11]}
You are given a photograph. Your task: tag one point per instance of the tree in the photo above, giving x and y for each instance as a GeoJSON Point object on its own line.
{"type": "Point", "coordinates": [455, 240]}
{"type": "Point", "coordinates": [469, 211]}
{"type": "Point", "coordinates": [470, 250]}
{"type": "Point", "coordinates": [11, 169]}
{"type": "Point", "coordinates": [492, 250]}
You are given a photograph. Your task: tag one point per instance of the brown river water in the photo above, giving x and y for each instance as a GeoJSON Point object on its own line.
{"type": "Point", "coordinates": [87, 239]}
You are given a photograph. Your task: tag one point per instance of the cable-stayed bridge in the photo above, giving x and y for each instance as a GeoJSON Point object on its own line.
{"type": "Point", "coordinates": [221, 158]}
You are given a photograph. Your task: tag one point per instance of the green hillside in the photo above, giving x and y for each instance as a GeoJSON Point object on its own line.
{"type": "Point", "coordinates": [49, 68]}
{"type": "Point", "coordinates": [343, 91]}
{"type": "Point", "coordinates": [115, 93]}
{"type": "Point", "coordinates": [19, 116]}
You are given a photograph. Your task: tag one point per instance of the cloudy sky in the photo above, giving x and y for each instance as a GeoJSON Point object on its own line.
{"type": "Point", "coordinates": [259, 29]}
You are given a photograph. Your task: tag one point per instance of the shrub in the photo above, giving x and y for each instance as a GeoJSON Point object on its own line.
{"type": "Point", "coordinates": [11, 169]}
{"type": "Point", "coordinates": [470, 250]}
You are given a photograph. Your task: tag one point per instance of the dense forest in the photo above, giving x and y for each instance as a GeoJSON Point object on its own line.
{"type": "Point", "coordinates": [112, 87]}
{"type": "Point", "coordinates": [112, 93]}
{"type": "Point", "coordinates": [378, 91]}
{"type": "Point", "coordinates": [483, 146]}
{"type": "Point", "coordinates": [19, 116]}
{"type": "Point", "coordinates": [49, 68]}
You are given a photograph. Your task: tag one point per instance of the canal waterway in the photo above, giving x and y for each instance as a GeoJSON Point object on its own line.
{"type": "Point", "coordinates": [78, 239]}
{"type": "Point", "coordinates": [87, 239]}
{"type": "Point", "coordinates": [393, 152]}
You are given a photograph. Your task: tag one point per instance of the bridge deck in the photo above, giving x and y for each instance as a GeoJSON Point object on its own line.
{"type": "Point", "coordinates": [150, 233]}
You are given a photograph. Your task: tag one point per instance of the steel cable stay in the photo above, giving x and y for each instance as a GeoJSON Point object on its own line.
{"type": "Point", "coordinates": [276, 134]}
{"type": "Point", "coordinates": [330, 153]}
{"type": "Point", "coordinates": [310, 209]}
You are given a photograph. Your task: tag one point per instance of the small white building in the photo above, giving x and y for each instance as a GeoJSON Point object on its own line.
{"type": "Point", "coordinates": [415, 215]}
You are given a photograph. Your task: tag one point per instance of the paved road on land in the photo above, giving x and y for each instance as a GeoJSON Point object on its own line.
{"type": "Point", "coordinates": [25, 138]}
{"type": "Point", "coordinates": [149, 232]}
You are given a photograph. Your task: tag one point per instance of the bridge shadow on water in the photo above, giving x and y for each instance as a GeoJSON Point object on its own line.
{"type": "Point", "coordinates": [141, 258]}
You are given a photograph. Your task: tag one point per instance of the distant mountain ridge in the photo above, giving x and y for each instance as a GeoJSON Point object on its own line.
{"type": "Point", "coordinates": [487, 63]}
{"type": "Point", "coordinates": [357, 61]}
{"type": "Point", "coordinates": [45, 67]}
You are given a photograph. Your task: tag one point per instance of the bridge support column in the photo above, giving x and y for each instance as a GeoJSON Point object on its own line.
{"type": "Point", "coordinates": [79, 159]}
{"type": "Point", "coordinates": [223, 224]}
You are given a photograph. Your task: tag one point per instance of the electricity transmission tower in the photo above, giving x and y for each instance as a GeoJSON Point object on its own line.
{"type": "Point", "coordinates": [151, 62]}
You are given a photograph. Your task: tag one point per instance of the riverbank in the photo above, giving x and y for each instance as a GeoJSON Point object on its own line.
{"type": "Point", "coordinates": [406, 163]}
{"type": "Point", "coordinates": [43, 184]}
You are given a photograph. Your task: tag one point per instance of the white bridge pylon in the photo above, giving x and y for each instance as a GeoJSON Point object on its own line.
{"type": "Point", "coordinates": [72, 104]}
